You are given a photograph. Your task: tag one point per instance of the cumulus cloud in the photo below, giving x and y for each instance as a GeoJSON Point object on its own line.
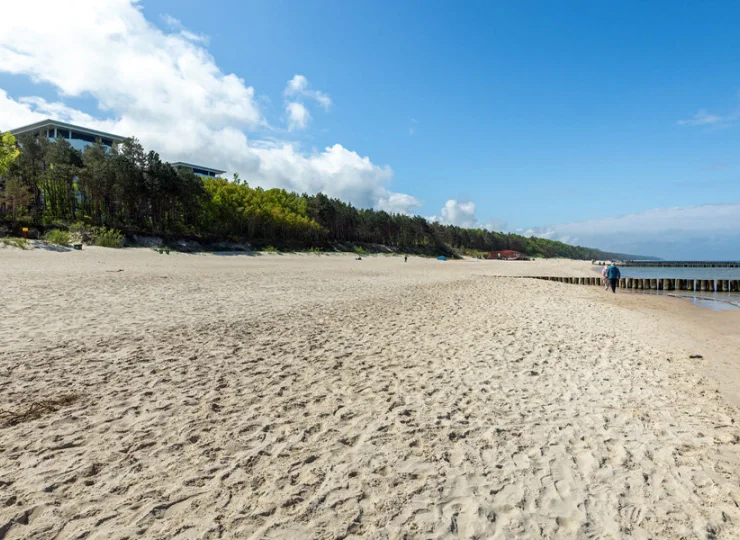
{"type": "Point", "coordinates": [463, 214]}
{"type": "Point", "coordinates": [298, 116]}
{"type": "Point", "coordinates": [164, 87]}
{"type": "Point", "coordinates": [336, 171]}
{"type": "Point", "coordinates": [398, 203]}
{"type": "Point", "coordinates": [457, 213]}
{"type": "Point", "coordinates": [495, 225]}
{"type": "Point", "coordinates": [460, 214]}
{"type": "Point", "coordinates": [693, 233]}
{"type": "Point", "coordinates": [143, 76]}
{"type": "Point", "coordinates": [299, 86]}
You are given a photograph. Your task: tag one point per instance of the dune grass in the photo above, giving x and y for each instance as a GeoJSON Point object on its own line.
{"type": "Point", "coordinates": [58, 237]}
{"type": "Point", "coordinates": [13, 241]}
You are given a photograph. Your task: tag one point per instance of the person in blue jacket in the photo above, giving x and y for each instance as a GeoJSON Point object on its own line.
{"type": "Point", "coordinates": [613, 274]}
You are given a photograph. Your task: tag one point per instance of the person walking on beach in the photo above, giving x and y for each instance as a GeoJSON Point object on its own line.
{"type": "Point", "coordinates": [613, 274]}
{"type": "Point", "coordinates": [405, 258]}
{"type": "Point", "coordinates": [604, 278]}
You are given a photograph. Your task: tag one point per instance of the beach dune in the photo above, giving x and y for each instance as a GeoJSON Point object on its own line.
{"type": "Point", "coordinates": [296, 396]}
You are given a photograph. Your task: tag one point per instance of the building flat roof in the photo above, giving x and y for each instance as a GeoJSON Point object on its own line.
{"type": "Point", "coordinates": [49, 122]}
{"type": "Point", "coordinates": [201, 167]}
{"type": "Point", "coordinates": [56, 123]}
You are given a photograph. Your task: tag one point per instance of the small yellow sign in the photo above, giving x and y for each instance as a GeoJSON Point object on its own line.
{"type": "Point", "coordinates": [25, 229]}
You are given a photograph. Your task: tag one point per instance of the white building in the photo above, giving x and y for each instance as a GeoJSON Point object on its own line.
{"type": "Point", "coordinates": [80, 138]}
{"type": "Point", "coordinates": [198, 169]}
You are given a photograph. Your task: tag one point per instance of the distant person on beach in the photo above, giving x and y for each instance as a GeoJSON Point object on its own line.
{"type": "Point", "coordinates": [613, 274]}
{"type": "Point", "coordinates": [405, 258]}
{"type": "Point", "coordinates": [604, 278]}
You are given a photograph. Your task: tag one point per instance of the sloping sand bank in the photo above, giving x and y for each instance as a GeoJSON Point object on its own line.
{"type": "Point", "coordinates": [323, 397]}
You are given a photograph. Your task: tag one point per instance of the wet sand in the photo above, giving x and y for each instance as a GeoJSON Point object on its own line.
{"type": "Point", "coordinates": [303, 396]}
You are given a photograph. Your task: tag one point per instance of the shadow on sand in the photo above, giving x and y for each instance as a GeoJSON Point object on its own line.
{"type": "Point", "coordinates": [52, 247]}
{"type": "Point", "coordinates": [236, 253]}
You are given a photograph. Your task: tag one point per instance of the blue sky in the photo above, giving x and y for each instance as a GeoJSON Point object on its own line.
{"type": "Point", "coordinates": [607, 125]}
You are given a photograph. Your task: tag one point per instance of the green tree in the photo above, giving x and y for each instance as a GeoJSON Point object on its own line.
{"type": "Point", "coordinates": [97, 189]}
{"type": "Point", "coordinates": [132, 190]}
{"type": "Point", "coordinates": [8, 152]}
{"type": "Point", "coordinates": [28, 168]}
{"type": "Point", "coordinates": [58, 180]}
{"type": "Point", "coordinates": [16, 196]}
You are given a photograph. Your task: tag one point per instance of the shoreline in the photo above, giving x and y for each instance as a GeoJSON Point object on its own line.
{"type": "Point", "coordinates": [692, 330]}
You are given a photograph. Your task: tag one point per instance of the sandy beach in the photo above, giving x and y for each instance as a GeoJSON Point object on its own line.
{"type": "Point", "coordinates": [305, 396]}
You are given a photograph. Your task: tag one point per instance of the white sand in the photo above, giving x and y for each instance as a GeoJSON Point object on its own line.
{"type": "Point", "coordinates": [322, 397]}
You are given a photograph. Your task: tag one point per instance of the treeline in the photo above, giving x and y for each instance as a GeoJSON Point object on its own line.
{"type": "Point", "coordinates": [50, 183]}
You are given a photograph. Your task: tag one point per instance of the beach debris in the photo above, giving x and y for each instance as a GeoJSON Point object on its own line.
{"type": "Point", "coordinates": [695, 356]}
{"type": "Point", "coordinates": [114, 271]}
{"type": "Point", "coordinates": [36, 410]}
{"type": "Point", "coordinates": [453, 523]}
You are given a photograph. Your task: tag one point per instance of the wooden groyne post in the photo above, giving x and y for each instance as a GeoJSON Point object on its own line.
{"type": "Point", "coordinates": [680, 264]}
{"type": "Point", "coordinates": [654, 284]}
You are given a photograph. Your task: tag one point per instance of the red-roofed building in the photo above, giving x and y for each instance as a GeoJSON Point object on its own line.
{"type": "Point", "coordinates": [507, 255]}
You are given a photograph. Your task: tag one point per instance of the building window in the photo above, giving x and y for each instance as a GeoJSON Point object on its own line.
{"type": "Point", "coordinates": [64, 133]}
{"type": "Point", "coordinates": [76, 135]}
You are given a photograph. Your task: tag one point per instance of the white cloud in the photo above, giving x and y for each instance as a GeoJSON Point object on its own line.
{"type": "Point", "coordinates": [15, 114]}
{"type": "Point", "coordinates": [695, 232]}
{"type": "Point", "coordinates": [398, 203]}
{"type": "Point", "coordinates": [132, 68]}
{"type": "Point", "coordinates": [56, 110]}
{"type": "Point", "coordinates": [495, 225]}
{"type": "Point", "coordinates": [298, 116]}
{"type": "Point", "coordinates": [299, 86]}
{"type": "Point", "coordinates": [296, 85]}
{"type": "Point", "coordinates": [166, 89]}
{"type": "Point", "coordinates": [463, 214]}
{"type": "Point", "coordinates": [458, 213]}
{"type": "Point", "coordinates": [176, 25]}
{"type": "Point", "coordinates": [705, 118]}
{"type": "Point", "coordinates": [336, 171]}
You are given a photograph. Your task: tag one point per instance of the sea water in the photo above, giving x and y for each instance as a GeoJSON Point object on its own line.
{"type": "Point", "coordinates": [679, 272]}
{"type": "Point", "coordinates": [717, 301]}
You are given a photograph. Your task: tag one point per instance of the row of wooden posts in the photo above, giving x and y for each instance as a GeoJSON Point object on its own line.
{"type": "Point", "coordinates": [656, 284]}
{"type": "Point", "coordinates": [682, 264]}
